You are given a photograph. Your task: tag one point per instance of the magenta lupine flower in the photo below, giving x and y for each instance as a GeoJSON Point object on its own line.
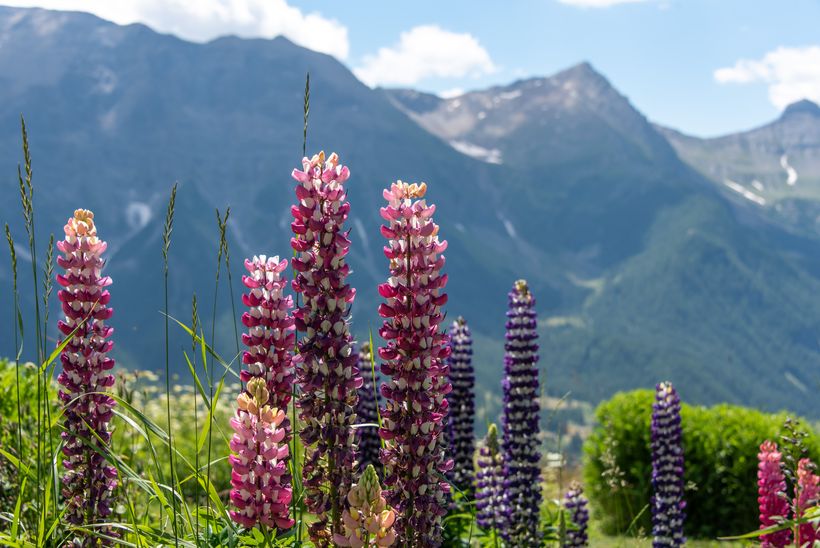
{"type": "Point", "coordinates": [461, 405]}
{"type": "Point", "coordinates": [667, 469]}
{"type": "Point", "coordinates": [88, 481]}
{"type": "Point", "coordinates": [326, 367]}
{"type": "Point", "coordinates": [369, 443]}
{"type": "Point", "coordinates": [261, 486]}
{"type": "Point", "coordinates": [772, 499]}
{"type": "Point", "coordinates": [808, 496]}
{"type": "Point", "coordinates": [520, 445]}
{"type": "Point", "coordinates": [270, 326]}
{"type": "Point", "coordinates": [489, 494]}
{"type": "Point", "coordinates": [575, 504]}
{"type": "Point", "coordinates": [415, 413]}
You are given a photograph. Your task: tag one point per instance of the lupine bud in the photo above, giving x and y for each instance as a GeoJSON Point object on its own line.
{"type": "Point", "coordinates": [522, 477]}
{"type": "Point", "coordinates": [88, 482]}
{"type": "Point", "coordinates": [772, 499]}
{"type": "Point", "coordinates": [489, 495]}
{"type": "Point", "coordinates": [462, 405]}
{"type": "Point", "coordinates": [326, 367]}
{"type": "Point", "coordinates": [808, 496]}
{"type": "Point", "coordinates": [369, 443]}
{"type": "Point", "coordinates": [261, 485]}
{"type": "Point", "coordinates": [575, 504]}
{"type": "Point", "coordinates": [368, 521]}
{"type": "Point", "coordinates": [415, 413]}
{"type": "Point", "coordinates": [667, 469]}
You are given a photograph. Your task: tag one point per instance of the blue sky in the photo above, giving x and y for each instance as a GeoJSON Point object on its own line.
{"type": "Point", "coordinates": [665, 55]}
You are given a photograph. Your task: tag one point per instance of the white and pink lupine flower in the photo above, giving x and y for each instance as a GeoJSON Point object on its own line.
{"type": "Point", "coordinates": [88, 482]}
{"type": "Point", "coordinates": [261, 492]}
{"type": "Point", "coordinates": [415, 415]}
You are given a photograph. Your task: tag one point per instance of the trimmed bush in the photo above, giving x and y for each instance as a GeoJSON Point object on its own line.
{"type": "Point", "coordinates": [720, 447]}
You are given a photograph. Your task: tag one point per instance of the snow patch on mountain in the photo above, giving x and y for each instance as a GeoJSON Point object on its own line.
{"type": "Point", "coordinates": [489, 155]}
{"type": "Point", "coordinates": [791, 173]}
{"type": "Point", "coordinates": [745, 192]}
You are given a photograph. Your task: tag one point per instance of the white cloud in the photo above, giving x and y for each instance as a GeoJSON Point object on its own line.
{"type": "Point", "coordinates": [203, 20]}
{"type": "Point", "coordinates": [598, 3]}
{"type": "Point", "coordinates": [451, 93]}
{"type": "Point", "coordinates": [422, 52]}
{"type": "Point", "coordinates": [791, 74]}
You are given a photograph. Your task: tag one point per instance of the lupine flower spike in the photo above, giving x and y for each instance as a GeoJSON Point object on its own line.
{"type": "Point", "coordinates": [771, 495]}
{"type": "Point", "coordinates": [489, 495]}
{"type": "Point", "coordinates": [368, 521]}
{"type": "Point", "coordinates": [369, 443]}
{"type": "Point", "coordinates": [575, 504]}
{"type": "Point", "coordinates": [268, 364]}
{"type": "Point", "coordinates": [88, 482]}
{"type": "Point", "coordinates": [415, 413]}
{"type": "Point", "coordinates": [807, 496]}
{"type": "Point", "coordinates": [326, 366]}
{"type": "Point", "coordinates": [522, 485]}
{"type": "Point", "coordinates": [667, 469]}
{"type": "Point", "coordinates": [261, 490]}
{"type": "Point", "coordinates": [462, 405]}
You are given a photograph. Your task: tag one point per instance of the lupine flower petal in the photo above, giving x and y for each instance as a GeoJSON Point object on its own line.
{"type": "Point", "coordinates": [667, 469]}
{"type": "Point", "coordinates": [522, 485]}
{"type": "Point", "coordinates": [326, 366]}
{"type": "Point", "coordinates": [88, 481]}
{"type": "Point", "coordinates": [415, 413]}
{"type": "Point", "coordinates": [461, 406]}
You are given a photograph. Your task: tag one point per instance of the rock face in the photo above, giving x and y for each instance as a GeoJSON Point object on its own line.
{"type": "Point", "coordinates": [646, 267]}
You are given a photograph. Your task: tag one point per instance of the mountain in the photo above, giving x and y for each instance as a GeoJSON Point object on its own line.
{"type": "Point", "coordinates": [773, 170]}
{"type": "Point", "coordinates": [643, 268]}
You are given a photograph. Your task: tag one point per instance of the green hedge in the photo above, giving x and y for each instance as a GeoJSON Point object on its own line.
{"type": "Point", "coordinates": [720, 446]}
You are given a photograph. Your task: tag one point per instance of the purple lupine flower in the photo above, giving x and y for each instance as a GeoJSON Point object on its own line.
{"type": "Point", "coordinates": [489, 494]}
{"type": "Point", "coordinates": [771, 495]}
{"type": "Point", "coordinates": [522, 477]}
{"type": "Point", "coordinates": [261, 484]}
{"type": "Point", "coordinates": [369, 443]}
{"type": "Point", "coordinates": [326, 367]}
{"type": "Point", "coordinates": [415, 412]}
{"type": "Point", "coordinates": [667, 469]}
{"type": "Point", "coordinates": [575, 504]}
{"type": "Point", "coordinates": [260, 478]}
{"type": "Point", "coordinates": [88, 482]}
{"type": "Point", "coordinates": [461, 405]}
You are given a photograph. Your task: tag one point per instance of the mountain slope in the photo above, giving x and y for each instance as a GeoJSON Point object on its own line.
{"type": "Point", "coordinates": [641, 268]}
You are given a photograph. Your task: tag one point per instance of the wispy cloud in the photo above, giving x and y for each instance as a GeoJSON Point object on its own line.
{"type": "Point", "coordinates": [791, 74]}
{"type": "Point", "coordinates": [203, 20]}
{"type": "Point", "coordinates": [423, 52]}
{"type": "Point", "coordinates": [598, 3]}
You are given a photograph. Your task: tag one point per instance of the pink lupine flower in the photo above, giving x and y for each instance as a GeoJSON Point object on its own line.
{"type": "Point", "coordinates": [772, 499]}
{"type": "Point", "coordinates": [270, 334]}
{"type": "Point", "coordinates": [415, 414]}
{"type": "Point", "coordinates": [368, 521]}
{"type": "Point", "coordinates": [808, 496]}
{"type": "Point", "coordinates": [88, 482]}
{"type": "Point", "coordinates": [261, 491]}
{"type": "Point", "coordinates": [326, 366]}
